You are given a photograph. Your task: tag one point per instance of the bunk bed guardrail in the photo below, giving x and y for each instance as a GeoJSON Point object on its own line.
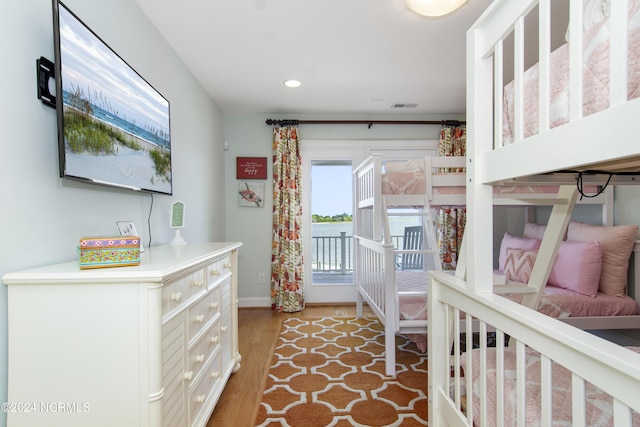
{"type": "Point", "coordinates": [614, 370]}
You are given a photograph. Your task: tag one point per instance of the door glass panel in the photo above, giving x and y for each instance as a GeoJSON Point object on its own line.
{"type": "Point", "coordinates": [332, 226]}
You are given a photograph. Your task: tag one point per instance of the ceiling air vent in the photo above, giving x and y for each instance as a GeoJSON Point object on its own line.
{"type": "Point", "coordinates": [404, 105]}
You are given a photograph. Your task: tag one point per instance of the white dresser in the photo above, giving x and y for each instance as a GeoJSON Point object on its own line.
{"type": "Point", "coordinates": [150, 345]}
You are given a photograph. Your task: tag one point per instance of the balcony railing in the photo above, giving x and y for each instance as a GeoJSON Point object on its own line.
{"type": "Point", "coordinates": [334, 254]}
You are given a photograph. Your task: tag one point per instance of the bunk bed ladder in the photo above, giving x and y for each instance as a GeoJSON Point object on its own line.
{"type": "Point", "coordinates": [563, 205]}
{"type": "Point", "coordinates": [556, 228]}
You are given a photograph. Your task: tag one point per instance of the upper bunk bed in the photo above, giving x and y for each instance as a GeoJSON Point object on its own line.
{"type": "Point", "coordinates": [597, 146]}
{"type": "Point", "coordinates": [505, 134]}
{"type": "Point", "coordinates": [594, 144]}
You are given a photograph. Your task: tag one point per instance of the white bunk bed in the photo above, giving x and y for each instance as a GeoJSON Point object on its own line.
{"type": "Point", "coordinates": [399, 298]}
{"type": "Point", "coordinates": [580, 379]}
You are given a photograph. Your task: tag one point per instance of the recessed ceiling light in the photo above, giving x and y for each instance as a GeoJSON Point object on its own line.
{"type": "Point", "coordinates": [292, 83]}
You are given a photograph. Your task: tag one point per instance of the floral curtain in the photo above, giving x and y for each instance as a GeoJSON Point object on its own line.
{"type": "Point", "coordinates": [453, 142]}
{"type": "Point", "coordinates": [451, 220]}
{"type": "Point", "coordinates": [287, 272]}
{"type": "Point", "coordinates": [450, 226]}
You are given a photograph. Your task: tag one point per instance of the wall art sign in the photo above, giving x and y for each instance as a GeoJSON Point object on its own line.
{"type": "Point", "coordinates": [251, 168]}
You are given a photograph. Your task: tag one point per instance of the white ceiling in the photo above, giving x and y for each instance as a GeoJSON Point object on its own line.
{"type": "Point", "coordinates": [352, 56]}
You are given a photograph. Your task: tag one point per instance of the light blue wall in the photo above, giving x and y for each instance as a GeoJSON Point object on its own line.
{"type": "Point", "coordinates": [42, 216]}
{"type": "Point", "coordinates": [249, 136]}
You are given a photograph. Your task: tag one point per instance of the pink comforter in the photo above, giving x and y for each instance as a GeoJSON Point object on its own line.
{"type": "Point", "coordinates": [562, 303]}
{"type": "Point", "coordinates": [595, 78]}
{"type": "Point", "coordinates": [599, 404]}
{"type": "Point", "coordinates": [555, 302]}
{"type": "Point", "coordinates": [414, 183]}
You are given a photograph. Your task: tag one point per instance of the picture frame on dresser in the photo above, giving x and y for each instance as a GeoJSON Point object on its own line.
{"type": "Point", "coordinates": [128, 228]}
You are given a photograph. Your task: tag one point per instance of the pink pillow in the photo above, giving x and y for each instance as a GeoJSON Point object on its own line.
{"type": "Point", "coordinates": [509, 241]}
{"type": "Point", "coordinates": [577, 267]}
{"type": "Point", "coordinates": [616, 243]}
{"type": "Point", "coordinates": [518, 265]}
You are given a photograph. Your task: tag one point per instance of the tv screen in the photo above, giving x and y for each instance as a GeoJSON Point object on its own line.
{"type": "Point", "coordinates": [113, 126]}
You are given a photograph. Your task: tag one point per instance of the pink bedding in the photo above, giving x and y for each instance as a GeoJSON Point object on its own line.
{"type": "Point", "coordinates": [562, 303]}
{"type": "Point", "coordinates": [414, 183]}
{"type": "Point", "coordinates": [599, 404]}
{"type": "Point", "coordinates": [403, 183]}
{"type": "Point", "coordinates": [412, 307]}
{"type": "Point", "coordinates": [595, 79]}
{"type": "Point", "coordinates": [555, 302]}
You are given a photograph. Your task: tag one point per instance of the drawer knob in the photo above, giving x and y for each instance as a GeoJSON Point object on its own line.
{"type": "Point", "coordinates": [188, 375]}
{"type": "Point", "coordinates": [215, 374]}
{"type": "Point", "coordinates": [200, 318]}
{"type": "Point", "coordinates": [227, 266]}
{"type": "Point", "coordinates": [214, 305]}
{"type": "Point", "coordinates": [197, 283]}
{"type": "Point", "coordinates": [200, 399]}
{"type": "Point", "coordinates": [176, 296]}
{"type": "Point", "coordinates": [213, 340]}
{"type": "Point", "coordinates": [224, 328]}
{"type": "Point", "coordinates": [214, 273]}
{"type": "Point", "coordinates": [200, 358]}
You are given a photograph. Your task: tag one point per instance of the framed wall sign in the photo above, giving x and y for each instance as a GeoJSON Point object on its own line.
{"type": "Point", "coordinates": [251, 167]}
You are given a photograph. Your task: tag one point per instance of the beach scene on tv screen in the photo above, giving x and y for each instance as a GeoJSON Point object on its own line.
{"type": "Point", "coordinates": [116, 125]}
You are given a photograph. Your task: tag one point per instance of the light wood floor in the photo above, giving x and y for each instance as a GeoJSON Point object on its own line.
{"type": "Point", "coordinates": [258, 330]}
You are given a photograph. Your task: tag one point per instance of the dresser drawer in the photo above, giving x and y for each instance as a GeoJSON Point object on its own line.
{"type": "Point", "coordinates": [218, 269]}
{"type": "Point", "coordinates": [203, 350]}
{"type": "Point", "coordinates": [202, 312]}
{"type": "Point", "coordinates": [207, 386]}
{"type": "Point", "coordinates": [179, 292]}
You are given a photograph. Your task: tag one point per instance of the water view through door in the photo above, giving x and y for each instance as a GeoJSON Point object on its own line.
{"type": "Point", "coordinates": [331, 225]}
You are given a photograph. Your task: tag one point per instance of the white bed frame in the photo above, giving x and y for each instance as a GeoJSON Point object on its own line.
{"type": "Point", "coordinates": [375, 276]}
{"type": "Point", "coordinates": [611, 368]}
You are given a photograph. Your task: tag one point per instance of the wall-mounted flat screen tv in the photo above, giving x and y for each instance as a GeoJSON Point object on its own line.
{"type": "Point", "coordinates": [113, 126]}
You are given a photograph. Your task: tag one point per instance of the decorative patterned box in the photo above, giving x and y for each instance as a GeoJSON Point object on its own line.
{"type": "Point", "coordinates": [100, 252]}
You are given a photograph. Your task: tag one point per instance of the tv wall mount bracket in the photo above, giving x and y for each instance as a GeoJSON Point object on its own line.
{"type": "Point", "coordinates": [46, 72]}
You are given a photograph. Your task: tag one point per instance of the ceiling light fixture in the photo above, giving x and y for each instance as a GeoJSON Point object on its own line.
{"type": "Point", "coordinates": [292, 83]}
{"type": "Point", "coordinates": [433, 8]}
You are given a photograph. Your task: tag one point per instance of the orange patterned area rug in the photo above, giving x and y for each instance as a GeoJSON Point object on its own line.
{"type": "Point", "coordinates": [330, 372]}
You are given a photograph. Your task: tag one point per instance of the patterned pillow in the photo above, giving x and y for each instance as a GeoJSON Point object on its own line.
{"type": "Point", "coordinates": [509, 241]}
{"type": "Point", "coordinates": [518, 264]}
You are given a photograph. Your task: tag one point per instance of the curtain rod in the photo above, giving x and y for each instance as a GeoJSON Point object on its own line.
{"type": "Point", "coordinates": [370, 123]}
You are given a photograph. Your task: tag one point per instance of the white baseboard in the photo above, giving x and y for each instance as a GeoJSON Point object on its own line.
{"type": "Point", "coordinates": [254, 302]}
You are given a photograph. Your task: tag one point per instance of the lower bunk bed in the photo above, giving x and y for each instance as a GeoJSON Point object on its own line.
{"type": "Point", "coordinates": [524, 368]}
{"type": "Point", "coordinates": [400, 299]}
